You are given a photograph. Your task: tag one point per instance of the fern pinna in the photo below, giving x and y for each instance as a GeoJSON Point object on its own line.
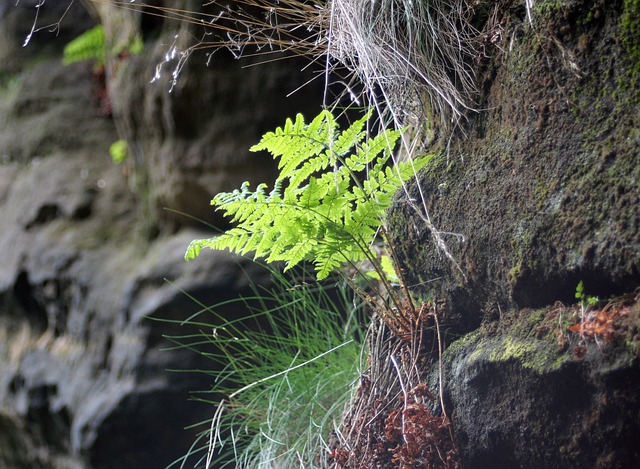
{"type": "Point", "coordinates": [327, 203]}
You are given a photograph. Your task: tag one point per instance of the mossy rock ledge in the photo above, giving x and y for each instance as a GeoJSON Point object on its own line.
{"type": "Point", "coordinates": [528, 393]}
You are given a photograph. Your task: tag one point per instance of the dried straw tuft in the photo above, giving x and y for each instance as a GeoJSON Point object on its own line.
{"type": "Point", "coordinates": [414, 53]}
{"type": "Point", "coordinates": [410, 58]}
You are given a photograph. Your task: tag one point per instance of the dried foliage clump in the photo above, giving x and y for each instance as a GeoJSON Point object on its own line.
{"type": "Point", "coordinates": [389, 423]}
{"type": "Point", "coordinates": [609, 322]}
{"type": "Point", "coordinates": [415, 54]}
{"type": "Point", "coordinates": [417, 438]}
{"type": "Point", "coordinates": [409, 59]}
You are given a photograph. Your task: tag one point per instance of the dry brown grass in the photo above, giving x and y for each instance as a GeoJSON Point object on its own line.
{"type": "Point", "coordinates": [407, 58]}
{"type": "Point", "coordinates": [389, 422]}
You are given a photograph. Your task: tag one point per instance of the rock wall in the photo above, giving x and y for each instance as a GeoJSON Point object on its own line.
{"type": "Point", "coordinates": [86, 247]}
{"type": "Point", "coordinates": [541, 192]}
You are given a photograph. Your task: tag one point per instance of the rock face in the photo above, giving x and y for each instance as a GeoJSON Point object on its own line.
{"type": "Point", "coordinates": [86, 253]}
{"type": "Point", "coordinates": [532, 394]}
{"type": "Point", "coordinates": [192, 142]}
{"type": "Point", "coordinates": [542, 192]}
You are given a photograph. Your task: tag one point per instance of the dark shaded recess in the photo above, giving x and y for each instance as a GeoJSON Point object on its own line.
{"type": "Point", "coordinates": [108, 346]}
{"type": "Point", "coordinates": [141, 431]}
{"type": "Point", "coordinates": [82, 212]}
{"type": "Point", "coordinates": [31, 308]}
{"type": "Point", "coordinates": [151, 23]}
{"type": "Point", "coordinates": [54, 425]}
{"type": "Point", "coordinates": [171, 314]}
{"type": "Point", "coordinates": [16, 384]}
{"type": "Point", "coordinates": [537, 291]}
{"type": "Point", "coordinates": [15, 447]}
{"type": "Point", "coordinates": [46, 213]}
{"type": "Point", "coordinates": [58, 319]}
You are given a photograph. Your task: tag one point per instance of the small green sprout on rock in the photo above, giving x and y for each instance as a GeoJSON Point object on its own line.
{"type": "Point", "coordinates": [583, 298]}
{"type": "Point", "coordinates": [118, 151]}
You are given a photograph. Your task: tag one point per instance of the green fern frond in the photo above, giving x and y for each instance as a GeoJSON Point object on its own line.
{"type": "Point", "coordinates": [368, 152]}
{"type": "Point", "coordinates": [92, 45]}
{"type": "Point", "coordinates": [351, 137]}
{"type": "Point", "coordinates": [318, 211]}
{"type": "Point", "coordinates": [89, 45]}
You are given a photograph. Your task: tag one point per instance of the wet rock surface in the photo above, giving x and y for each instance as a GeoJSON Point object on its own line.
{"type": "Point", "coordinates": [91, 268]}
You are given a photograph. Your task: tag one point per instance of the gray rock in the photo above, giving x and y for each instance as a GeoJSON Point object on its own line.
{"type": "Point", "coordinates": [518, 399]}
{"type": "Point", "coordinates": [87, 295]}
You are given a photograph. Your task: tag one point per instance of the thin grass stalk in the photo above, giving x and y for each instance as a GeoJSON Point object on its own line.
{"type": "Point", "coordinates": [414, 52]}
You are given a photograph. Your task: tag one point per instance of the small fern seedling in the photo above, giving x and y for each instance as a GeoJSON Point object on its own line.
{"type": "Point", "coordinates": [92, 45]}
{"type": "Point", "coordinates": [320, 210]}
{"type": "Point", "coordinates": [89, 45]}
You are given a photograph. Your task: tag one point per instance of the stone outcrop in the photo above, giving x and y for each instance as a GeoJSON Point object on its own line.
{"type": "Point", "coordinates": [533, 394]}
{"type": "Point", "coordinates": [91, 267]}
{"type": "Point", "coordinates": [539, 194]}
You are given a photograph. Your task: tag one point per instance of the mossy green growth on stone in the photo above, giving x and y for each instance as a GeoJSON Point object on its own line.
{"type": "Point", "coordinates": [537, 355]}
{"type": "Point", "coordinates": [518, 338]}
{"type": "Point", "coordinates": [548, 7]}
{"type": "Point", "coordinates": [630, 34]}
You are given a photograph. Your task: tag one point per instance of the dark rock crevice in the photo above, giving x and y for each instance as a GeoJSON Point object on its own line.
{"type": "Point", "coordinates": [29, 306]}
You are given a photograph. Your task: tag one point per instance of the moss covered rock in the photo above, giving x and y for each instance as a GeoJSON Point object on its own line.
{"type": "Point", "coordinates": [543, 189]}
{"type": "Point", "coordinates": [530, 393]}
